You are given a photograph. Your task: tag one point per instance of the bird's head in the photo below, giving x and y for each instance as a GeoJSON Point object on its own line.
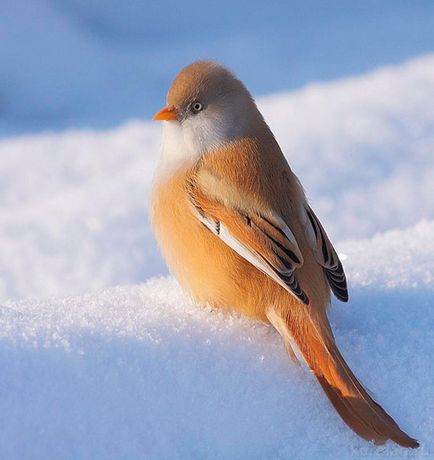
{"type": "Point", "coordinates": [207, 107]}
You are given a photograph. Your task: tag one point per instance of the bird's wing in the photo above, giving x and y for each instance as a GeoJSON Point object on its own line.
{"type": "Point", "coordinates": [325, 254]}
{"type": "Point", "coordinates": [261, 238]}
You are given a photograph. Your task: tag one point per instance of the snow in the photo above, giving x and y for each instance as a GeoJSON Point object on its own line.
{"type": "Point", "coordinates": [96, 365]}
{"type": "Point", "coordinates": [74, 217]}
{"type": "Point", "coordinates": [73, 205]}
{"type": "Point", "coordinates": [141, 372]}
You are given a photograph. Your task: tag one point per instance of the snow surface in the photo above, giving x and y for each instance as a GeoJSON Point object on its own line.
{"type": "Point", "coordinates": [141, 372]}
{"type": "Point", "coordinates": [73, 205]}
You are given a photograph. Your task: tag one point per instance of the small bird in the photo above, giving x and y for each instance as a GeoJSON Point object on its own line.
{"type": "Point", "coordinates": [234, 225]}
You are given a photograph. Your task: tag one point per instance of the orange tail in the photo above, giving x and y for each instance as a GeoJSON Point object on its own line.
{"type": "Point", "coordinates": [312, 334]}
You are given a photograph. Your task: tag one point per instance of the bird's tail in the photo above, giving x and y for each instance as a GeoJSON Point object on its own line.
{"type": "Point", "coordinates": [312, 334]}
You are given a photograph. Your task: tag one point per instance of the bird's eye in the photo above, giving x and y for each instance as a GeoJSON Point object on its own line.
{"type": "Point", "coordinates": [196, 107]}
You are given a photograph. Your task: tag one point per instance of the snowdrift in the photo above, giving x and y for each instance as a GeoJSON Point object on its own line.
{"type": "Point", "coordinates": [142, 372]}
{"type": "Point", "coordinates": [73, 205]}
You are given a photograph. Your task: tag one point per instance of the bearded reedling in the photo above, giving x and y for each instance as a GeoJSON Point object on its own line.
{"type": "Point", "coordinates": [234, 225]}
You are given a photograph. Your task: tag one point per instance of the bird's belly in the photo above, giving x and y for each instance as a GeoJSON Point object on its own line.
{"type": "Point", "coordinates": [204, 265]}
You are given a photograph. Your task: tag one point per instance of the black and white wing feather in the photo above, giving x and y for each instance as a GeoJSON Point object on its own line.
{"type": "Point", "coordinates": [326, 256]}
{"type": "Point", "coordinates": [261, 238]}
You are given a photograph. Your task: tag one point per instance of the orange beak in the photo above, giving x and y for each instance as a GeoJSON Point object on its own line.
{"type": "Point", "coordinates": [168, 113]}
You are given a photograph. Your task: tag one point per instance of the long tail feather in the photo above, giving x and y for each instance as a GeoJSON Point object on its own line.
{"type": "Point", "coordinates": [312, 334]}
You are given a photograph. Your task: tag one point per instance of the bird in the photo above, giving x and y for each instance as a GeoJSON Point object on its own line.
{"type": "Point", "coordinates": [235, 227]}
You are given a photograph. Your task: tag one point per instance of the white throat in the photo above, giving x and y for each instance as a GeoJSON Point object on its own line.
{"type": "Point", "coordinates": [175, 153]}
{"type": "Point", "coordinates": [184, 143]}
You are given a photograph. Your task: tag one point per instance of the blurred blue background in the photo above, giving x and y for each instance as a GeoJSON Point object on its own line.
{"type": "Point", "coordinates": [94, 63]}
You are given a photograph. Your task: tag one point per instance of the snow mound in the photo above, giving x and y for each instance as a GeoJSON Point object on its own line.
{"type": "Point", "coordinates": [73, 205]}
{"type": "Point", "coordinates": [141, 372]}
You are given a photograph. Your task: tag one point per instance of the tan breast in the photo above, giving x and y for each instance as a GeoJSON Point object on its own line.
{"type": "Point", "coordinates": [205, 266]}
